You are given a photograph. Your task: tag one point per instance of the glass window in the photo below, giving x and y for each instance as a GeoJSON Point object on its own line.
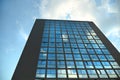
{"type": "Point", "coordinates": [71, 36]}
{"type": "Point", "coordinates": [51, 73]}
{"type": "Point", "coordinates": [106, 64]}
{"type": "Point", "coordinates": [95, 37]}
{"type": "Point", "coordinates": [72, 73]}
{"type": "Point", "coordinates": [101, 45]}
{"type": "Point", "coordinates": [61, 73]}
{"type": "Point", "coordinates": [95, 46]}
{"type": "Point", "coordinates": [97, 64]}
{"type": "Point", "coordinates": [75, 50]}
{"type": "Point", "coordinates": [51, 64]}
{"type": "Point", "coordinates": [42, 56]}
{"type": "Point", "coordinates": [81, 33]}
{"type": "Point", "coordinates": [60, 64]}
{"type": "Point", "coordinates": [102, 57]}
{"type": "Point", "coordinates": [109, 57]}
{"type": "Point", "coordinates": [77, 57]}
{"type": "Point", "coordinates": [70, 64]}
{"type": "Point", "coordinates": [88, 46]}
{"type": "Point", "coordinates": [73, 45]}
{"type": "Point", "coordinates": [40, 73]}
{"type": "Point", "coordinates": [67, 50]}
{"type": "Point", "coordinates": [105, 51]}
{"type": "Point", "coordinates": [79, 41]}
{"type": "Point", "coordinates": [102, 74]}
{"type": "Point", "coordinates": [91, 51]}
{"type": "Point", "coordinates": [43, 50]}
{"type": "Point", "coordinates": [118, 72]}
{"type": "Point", "coordinates": [98, 41]}
{"type": "Point", "coordinates": [44, 44]}
{"type": "Point", "coordinates": [94, 57]}
{"type": "Point", "coordinates": [79, 64]}
{"type": "Point", "coordinates": [114, 64]}
{"type": "Point", "coordinates": [51, 56]}
{"type": "Point", "coordinates": [93, 33]}
{"type": "Point", "coordinates": [58, 44]}
{"type": "Point", "coordinates": [42, 63]}
{"type": "Point", "coordinates": [92, 73]}
{"type": "Point", "coordinates": [111, 73]}
{"type": "Point", "coordinates": [83, 51]}
{"type": "Point", "coordinates": [51, 44]}
{"type": "Point", "coordinates": [66, 44]}
{"type": "Point", "coordinates": [51, 49]}
{"type": "Point", "coordinates": [76, 35]}
{"type": "Point", "coordinates": [58, 40]}
{"type": "Point", "coordinates": [44, 39]}
{"type": "Point", "coordinates": [85, 57]}
{"type": "Point", "coordinates": [58, 36]}
{"type": "Point", "coordinates": [68, 56]}
{"type": "Point", "coordinates": [85, 41]}
{"type": "Point", "coordinates": [72, 40]}
{"type": "Point", "coordinates": [60, 56]}
{"type": "Point", "coordinates": [59, 50]}
{"type": "Point", "coordinates": [82, 74]}
{"type": "Point", "coordinates": [83, 37]}
{"type": "Point", "coordinates": [92, 42]}
{"type": "Point", "coordinates": [81, 46]}
{"type": "Point", "coordinates": [89, 37]}
{"type": "Point", "coordinates": [88, 64]}
{"type": "Point", "coordinates": [98, 51]}
{"type": "Point", "coordinates": [52, 39]}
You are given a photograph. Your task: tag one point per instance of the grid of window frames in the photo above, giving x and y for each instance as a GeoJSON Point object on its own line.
{"type": "Point", "coordinates": [73, 50]}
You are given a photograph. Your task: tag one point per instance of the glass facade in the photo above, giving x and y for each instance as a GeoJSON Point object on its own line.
{"type": "Point", "coordinates": [72, 49]}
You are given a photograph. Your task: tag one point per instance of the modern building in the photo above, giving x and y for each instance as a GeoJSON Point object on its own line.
{"type": "Point", "coordinates": [67, 50]}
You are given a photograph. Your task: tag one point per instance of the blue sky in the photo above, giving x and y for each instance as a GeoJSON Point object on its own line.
{"type": "Point", "coordinates": [18, 17]}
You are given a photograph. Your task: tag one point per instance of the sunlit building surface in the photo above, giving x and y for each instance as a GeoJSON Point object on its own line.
{"type": "Point", "coordinates": [67, 50]}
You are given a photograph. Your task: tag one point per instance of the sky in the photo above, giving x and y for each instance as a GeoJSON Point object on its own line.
{"type": "Point", "coordinates": [17, 18]}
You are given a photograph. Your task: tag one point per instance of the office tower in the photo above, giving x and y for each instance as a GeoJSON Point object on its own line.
{"type": "Point", "coordinates": [67, 50]}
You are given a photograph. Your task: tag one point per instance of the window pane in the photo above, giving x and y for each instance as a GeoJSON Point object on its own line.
{"type": "Point", "coordinates": [82, 74]}
{"type": "Point", "coordinates": [102, 57]}
{"type": "Point", "coordinates": [42, 56]}
{"type": "Point", "coordinates": [94, 57]}
{"type": "Point", "coordinates": [114, 64]}
{"type": "Point", "coordinates": [70, 64]}
{"type": "Point", "coordinates": [68, 56]}
{"type": "Point", "coordinates": [77, 57]}
{"type": "Point", "coordinates": [92, 73]}
{"type": "Point", "coordinates": [51, 56]}
{"type": "Point", "coordinates": [51, 73]}
{"type": "Point", "coordinates": [111, 73]}
{"type": "Point", "coordinates": [97, 65]}
{"type": "Point", "coordinates": [85, 57]}
{"type": "Point", "coordinates": [102, 74]}
{"type": "Point", "coordinates": [88, 64]}
{"type": "Point", "coordinates": [60, 64]}
{"type": "Point", "coordinates": [109, 57]}
{"type": "Point", "coordinates": [118, 72]}
{"type": "Point", "coordinates": [40, 73]}
{"type": "Point", "coordinates": [79, 64]}
{"type": "Point", "coordinates": [51, 64]}
{"type": "Point", "coordinates": [106, 64]}
{"type": "Point", "coordinates": [61, 73]}
{"type": "Point", "coordinates": [72, 73]}
{"type": "Point", "coordinates": [42, 63]}
{"type": "Point", "coordinates": [60, 56]}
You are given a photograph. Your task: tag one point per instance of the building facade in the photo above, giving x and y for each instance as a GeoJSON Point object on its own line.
{"type": "Point", "coordinates": [67, 50]}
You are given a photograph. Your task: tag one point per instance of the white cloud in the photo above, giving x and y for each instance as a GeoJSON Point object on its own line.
{"type": "Point", "coordinates": [114, 36]}
{"type": "Point", "coordinates": [22, 32]}
{"type": "Point", "coordinates": [106, 15]}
